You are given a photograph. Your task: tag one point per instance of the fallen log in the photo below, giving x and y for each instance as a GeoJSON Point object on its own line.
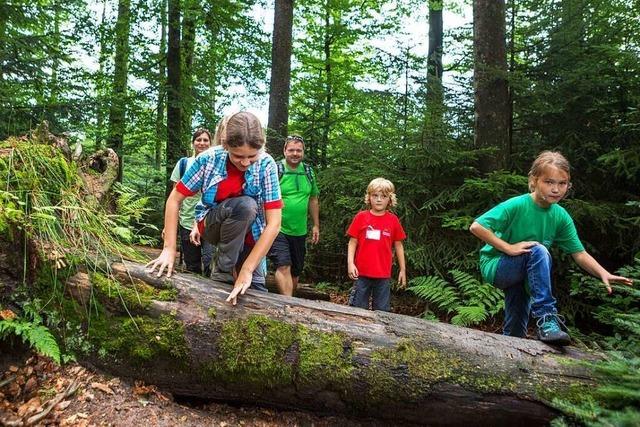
{"type": "Point", "coordinates": [294, 353]}
{"type": "Point", "coordinates": [287, 352]}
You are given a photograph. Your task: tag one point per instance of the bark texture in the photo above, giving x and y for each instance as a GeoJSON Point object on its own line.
{"type": "Point", "coordinates": [280, 75]}
{"type": "Point", "coordinates": [490, 82]}
{"type": "Point", "coordinates": [315, 355]}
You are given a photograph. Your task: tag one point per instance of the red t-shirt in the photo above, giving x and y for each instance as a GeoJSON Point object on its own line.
{"type": "Point", "coordinates": [375, 235]}
{"type": "Point", "coordinates": [231, 186]}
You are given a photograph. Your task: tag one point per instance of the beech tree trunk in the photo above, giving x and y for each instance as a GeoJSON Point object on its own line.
{"type": "Point", "coordinates": [280, 76]}
{"type": "Point", "coordinates": [314, 355]}
{"type": "Point", "coordinates": [117, 111]}
{"type": "Point", "coordinates": [174, 95]}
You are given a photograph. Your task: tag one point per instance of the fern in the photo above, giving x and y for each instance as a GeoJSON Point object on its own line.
{"type": "Point", "coordinates": [471, 300]}
{"type": "Point", "coordinates": [35, 334]}
{"type": "Point", "coordinates": [437, 291]}
{"type": "Point", "coordinates": [469, 315]}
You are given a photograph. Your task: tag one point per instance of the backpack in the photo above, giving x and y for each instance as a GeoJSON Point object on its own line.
{"type": "Point", "coordinates": [182, 165]}
{"type": "Point", "coordinates": [307, 171]}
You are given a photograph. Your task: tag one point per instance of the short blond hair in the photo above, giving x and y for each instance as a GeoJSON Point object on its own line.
{"type": "Point", "coordinates": [384, 186]}
{"type": "Point", "coordinates": [544, 160]}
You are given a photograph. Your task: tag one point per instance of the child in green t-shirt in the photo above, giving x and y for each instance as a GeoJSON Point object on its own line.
{"type": "Point", "coordinates": [518, 234]}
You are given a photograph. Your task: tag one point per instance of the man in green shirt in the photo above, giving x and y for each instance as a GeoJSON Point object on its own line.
{"type": "Point", "coordinates": [300, 196]}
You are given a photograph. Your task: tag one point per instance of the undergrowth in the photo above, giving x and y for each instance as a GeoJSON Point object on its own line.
{"type": "Point", "coordinates": [45, 211]}
{"type": "Point", "coordinates": [470, 301]}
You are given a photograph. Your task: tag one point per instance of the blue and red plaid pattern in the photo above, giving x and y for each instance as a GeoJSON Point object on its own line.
{"type": "Point", "coordinates": [210, 167]}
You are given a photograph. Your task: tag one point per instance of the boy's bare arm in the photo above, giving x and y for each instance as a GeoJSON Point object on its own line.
{"type": "Point", "coordinates": [351, 254]}
{"type": "Point", "coordinates": [402, 275]}
{"type": "Point", "coordinates": [489, 237]}
{"type": "Point", "coordinates": [593, 267]}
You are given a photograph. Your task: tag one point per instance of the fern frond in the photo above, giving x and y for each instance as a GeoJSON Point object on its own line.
{"type": "Point", "coordinates": [437, 291]}
{"type": "Point", "coordinates": [36, 335]}
{"type": "Point", "coordinates": [469, 315]}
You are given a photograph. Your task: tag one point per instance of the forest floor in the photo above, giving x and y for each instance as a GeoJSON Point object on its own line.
{"type": "Point", "coordinates": [36, 391]}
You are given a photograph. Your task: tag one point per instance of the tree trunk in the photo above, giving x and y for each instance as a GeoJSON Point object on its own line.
{"type": "Point", "coordinates": [100, 91]}
{"type": "Point", "coordinates": [293, 353]}
{"type": "Point", "coordinates": [326, 116]}
{"type": "Point", "coordinates": [280, 76]}
{"type": "Point", "coordinates": [490, 82]}
{"type": "Point", "coordinates": [174, 97]}
{"type": "Point", "coordinates": [119, 92]}
{"type": "Point", "coordinates": [187, 49]}
{"type": "Point", "coordinates": [162, 89]}
{"type": "Point", "coordinates": [435, 103]}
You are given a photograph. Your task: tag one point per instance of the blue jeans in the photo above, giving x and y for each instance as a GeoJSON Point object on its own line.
{"type": "Point", "coordinates": [365, 287]}
{"type": "Point", "coordinates": [511, 275]}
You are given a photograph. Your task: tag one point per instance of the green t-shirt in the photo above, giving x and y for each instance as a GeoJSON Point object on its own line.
{"type": "Point", "coordinates": [296, 191]}
{"type": "Point", "coordinates": [520, 219]}
{"type": "Point", "coordinates": [188, 208]}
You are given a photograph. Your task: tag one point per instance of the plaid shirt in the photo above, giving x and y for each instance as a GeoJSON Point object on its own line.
{"type": "Point", "coordinates": [210, 168]}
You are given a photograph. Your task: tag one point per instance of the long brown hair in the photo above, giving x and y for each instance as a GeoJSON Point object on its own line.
{"type": "Point", "coordinates": [240, 129]}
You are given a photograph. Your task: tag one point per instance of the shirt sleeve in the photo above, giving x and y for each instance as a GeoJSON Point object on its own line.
{"type": "Point", "coordinates": [496, 218]}
{"type": "Point", "coordinates": [399, 233]}
{"type": "Point", "coordinates": [175, 175]}
{"type": "Point", "coordinates": [193, 177]}
{"type": "Point", "coordinates": [356, 225]}
{"type": "Point", "coordinates": [567, 236]}
{"type": "Point", "coordinates": [270, 184]}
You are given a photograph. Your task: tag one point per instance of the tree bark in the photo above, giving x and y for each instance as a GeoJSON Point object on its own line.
{"type": "Point", "coordinates": [293, 353]}
{"type": "Point", "coordinates": [162, 89]}
{"type": "Point", "coordinates": [117, 110]}
{"type": "Point", "coordinates": [435, 102]}
{"type": "Point", "coordinates": [328, 96]}
{"type": "Point", "coordinates": [490, 82]}
{"type": "Point", "coordinates": [280, 76]}
{"type": "Point", "coordinates": [100, 78]}
{"type": "Point", "coordinates": [187, 50]}
{"type": "Point", "coordinates": [174, 97]}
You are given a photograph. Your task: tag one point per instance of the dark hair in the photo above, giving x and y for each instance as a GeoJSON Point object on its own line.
{"type": "Point", "coordinates": [240, 129]}
{"type": "Point", "coordinates": [199, 132]}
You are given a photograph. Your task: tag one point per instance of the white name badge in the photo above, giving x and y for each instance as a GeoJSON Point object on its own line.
{"type": "Point", "coordinates": [373, 234]}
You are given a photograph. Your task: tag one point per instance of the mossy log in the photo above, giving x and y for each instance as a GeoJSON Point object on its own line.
{"type": "Point", "coordinates": [294, 353]}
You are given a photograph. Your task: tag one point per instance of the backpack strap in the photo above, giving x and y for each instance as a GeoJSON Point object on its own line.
{"type": "Point", "coordinates": [280, 166]}
{"type": "Point", "coordinates": [183, 166]}
{"type": "Point", "coordinates": [308, 172]}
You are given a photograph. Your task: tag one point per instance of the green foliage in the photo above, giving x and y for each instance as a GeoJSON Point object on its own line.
{"type": "Point", "coordinates": [46, 199]}
{"type": "Point", "coordinates": [470, 300]}
{"type": "Point", "coordinates": [30, 329]}
{"type": "Point", "coordinates": [616, 400]}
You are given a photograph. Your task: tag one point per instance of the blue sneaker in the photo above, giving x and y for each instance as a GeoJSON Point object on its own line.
{"type": "Point", "coordinates": [550, 330]}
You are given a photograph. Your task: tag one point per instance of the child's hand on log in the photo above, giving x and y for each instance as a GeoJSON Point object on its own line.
{"type": "Point", "coordinates": [238, 289]}
{"type": "Point", "coordinates": [165, 260]}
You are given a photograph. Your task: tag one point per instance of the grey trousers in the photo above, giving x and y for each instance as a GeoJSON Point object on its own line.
{"type": "Point", "coordinates": [226, 226]}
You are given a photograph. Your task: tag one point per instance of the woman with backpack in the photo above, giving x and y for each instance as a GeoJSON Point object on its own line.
{"type": "Point", "coordinates": [196, 258]}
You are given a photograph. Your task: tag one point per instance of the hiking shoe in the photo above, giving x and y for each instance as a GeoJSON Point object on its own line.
{"type": "Point", "coordinates": [221, 276]}
{"type": "Point", "coordinates": [550, 330]}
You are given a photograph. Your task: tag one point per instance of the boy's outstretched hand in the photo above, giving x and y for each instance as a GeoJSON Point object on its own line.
{"type": "Point", "coordinates": [608, 278]}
